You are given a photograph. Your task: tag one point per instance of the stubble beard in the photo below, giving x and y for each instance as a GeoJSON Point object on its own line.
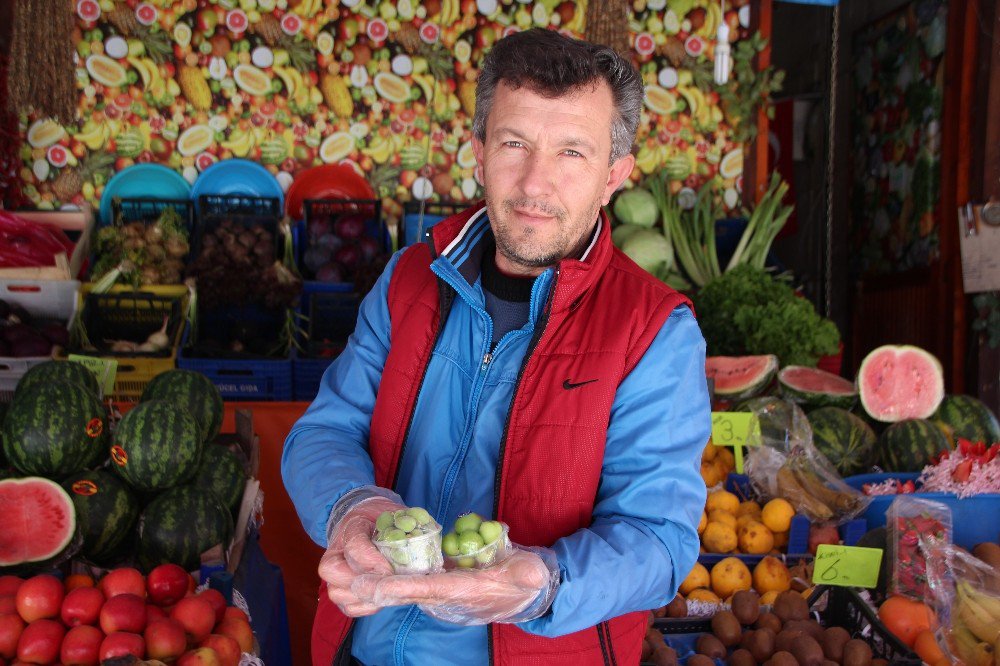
{"type": "Point", "coordinates": [521, 248]}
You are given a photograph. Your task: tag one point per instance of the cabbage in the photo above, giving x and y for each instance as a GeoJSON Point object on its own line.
{"type": "Point", "coordinates": [636, 206]}
{"type": "Point", "coordinates": [650, 250]}
{"type": "Point", "coordinates": [622, 232]}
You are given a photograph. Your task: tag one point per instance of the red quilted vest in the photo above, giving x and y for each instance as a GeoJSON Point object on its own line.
{"type": "Point", "coordinates": [600, 318]}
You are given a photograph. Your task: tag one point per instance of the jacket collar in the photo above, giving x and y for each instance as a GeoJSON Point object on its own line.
{"type": "Point", "coordinates": [460, 240]}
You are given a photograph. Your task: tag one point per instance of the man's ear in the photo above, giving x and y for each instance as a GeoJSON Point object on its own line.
{"type": "Point", "coordinates": [620, 171]}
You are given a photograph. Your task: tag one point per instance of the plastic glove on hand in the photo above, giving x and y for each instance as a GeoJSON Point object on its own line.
{"type": "Point", "coordinates": [517, 589]}
{"type": "Point", "coordinates": [351, 554]}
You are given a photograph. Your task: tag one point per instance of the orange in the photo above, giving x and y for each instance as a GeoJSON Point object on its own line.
{"type": "Point", "coordinates": [727, 458]}
{"type": "Point", "coordinates": [710, 474]}
{"type": "Point", "coordinates": [719, 537]}
{"type": "Point", "coordinates": [74, 581]}
{"type": "Point", "coordinates": [722, 500]}
{"type": "Point", "coordinates": [767, 599]}
{"type": "Point", "coordinates": [927, 648]}
{"type": "Point", "coordinates": [704, 594]}
{"type": "Point", "coordinates": [905, 617]}
{"type": "Point", "coordinates": [780, 540]}
{"type": "Point", "coordinates": [703, 523]}
{"type": "Point", "coordinates": [698, 577]}
{"type": "Point", "coordinates": [771, 575]}
{"type": "Point", "coordinates": [721, 516]}
{"type": "Point", "coordinates": [748, 508]}
{"type": "Point", "coordinates": [730, 575]}
{"type": "Point", "coordinates": [755, 539]}
{"type": "Point", "coordinates": [710, 451]}
{"type": "Point", "coordinates": [777, 515]}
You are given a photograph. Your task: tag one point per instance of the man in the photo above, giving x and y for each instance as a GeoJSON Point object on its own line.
{"type": "Point", "coordinates": [519, 366]}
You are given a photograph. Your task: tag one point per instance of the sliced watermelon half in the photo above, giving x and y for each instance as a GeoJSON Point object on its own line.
{"type": "Point", "coordinates": [37, 522]}
{"type": "Point", "coordinates": [899, 382]}
{"type": "Point", "coordinates": [739, 377]}
{"type": "Point", "coordinates": [812, 387]}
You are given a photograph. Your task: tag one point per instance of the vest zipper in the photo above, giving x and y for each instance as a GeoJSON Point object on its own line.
{"type": "Point", "coordinates": [543, 321]}
{"type": "Point", "coordinates": [604, 636]}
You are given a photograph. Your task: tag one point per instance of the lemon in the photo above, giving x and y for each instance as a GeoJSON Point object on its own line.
{"type": "Point", "coordinates": [704, 595]}
{"type": "Point", "coordinates": [719, 537]}
{"type": "Point", "coordinates": [106, 71]}
{"type": "Point", "coordinates": [336, 147]}
{"type": "Point", "coordinates": [659, 100]}
{"type": "Point", "coordinates": [194, 140]}
{"type": "Point", "coordinates": [703, 523]}
{"type": "Point", "coordinates": [732, 164]}
{"type": "Point", "coordinates": [392, 88]}
{"type": "Point", "coordinates": [722, 516]}
{"type": "Point", "coordinates": [722, 500]}
{"type": "Point", "coordinates": [729, 576]}
{"type": "Point", "coordinates": [43, 133]}
{"type": "Point", "coordinates": [697, 577]}
{"type": "Point", "coordinates": [777, 515]}
{"type": "Point", "coordinates": [252, 80]}
{"type": "Point", "coordinates": [466, 157]}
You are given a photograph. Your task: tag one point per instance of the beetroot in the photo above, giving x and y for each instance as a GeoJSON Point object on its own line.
{"type": "Point", "coordinates": [15, 332]}
{"type": "Point", "coordinates": [329, 273]}
{"type": "Point", "coordinates": [348, 256]}
{"type": "Point", "coordinates": [55, 332]}
{"type": "Point", "coordinates": [32, 346]}
{"type": "Point", "coordinates": [18, 315]}
{"type": "Point", "coordinates": [350, 227]}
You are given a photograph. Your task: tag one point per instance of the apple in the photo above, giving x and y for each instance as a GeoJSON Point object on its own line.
{"type": "Point", "coordinates": [39, 597]}
{"type": "Point", "coordinates": [238, 630]}
{"type": "Point", "coordinates": [81, 646]}
{"type": "Point", "coordinates": [234, 612]}
{"type": "Point", "coordinates": [216, 601]}
{"type": "Point", "coordinates": [202, 656]}
{"type": "Point", "coordinates": [11, 626]}
{"type": "Point", "coordinates": [82, 606]}
{"type": "Point", "coordinates": [39, 642]}
{"type": "Point", "coordinates": [123, 581]}
{"type": "Point", "coordinates": [167, 584]}
{"type": "Point", "coordinates": [7, 604]}
{"type": "Point", "coordinates": [123, 613]}
{"type": "Point", "coordinates": [822, 533]}
{"type": "Point", "coordinates": [165, 640]}
{"type": "Point", "coordinates": [9, 585]}
{"type": "Point", "coordinates": [196, 616]}
{"type": "Point", "coordinates": [154, 613]}
{"type": "Point", "coordinates": [226, 648]}
{"type": "Point", "coordinates": [121, 643]}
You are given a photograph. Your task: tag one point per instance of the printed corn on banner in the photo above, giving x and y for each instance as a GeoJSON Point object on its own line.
{"type": "Point", "coordinates": [387, 86]}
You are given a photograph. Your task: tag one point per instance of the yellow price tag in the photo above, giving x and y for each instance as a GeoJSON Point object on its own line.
{"type": "Point", "coordinates": [847, 566]}
{"type": "Point", "coordinates": [733, 429]}
{"type": "Point", "coordinates": [104, 368]}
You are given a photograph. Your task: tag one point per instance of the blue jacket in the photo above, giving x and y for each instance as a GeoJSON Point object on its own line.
{"type": "Point", "coordinates": [643, 540]}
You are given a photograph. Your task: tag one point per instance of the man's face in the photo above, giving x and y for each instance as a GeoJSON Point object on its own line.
{"type": "Point", "coordinates": [545, 169]}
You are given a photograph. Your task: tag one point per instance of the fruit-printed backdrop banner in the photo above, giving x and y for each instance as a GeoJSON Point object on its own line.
{"type": "Point", "coordinates": [899, 88]}
{"type": "Point", "coordinates": [386, 85]}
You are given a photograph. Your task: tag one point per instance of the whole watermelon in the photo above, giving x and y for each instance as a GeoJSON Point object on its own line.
{"type": "Point", "coordinates": [194, 393]}
{"type": "Point", "coordinates": [181, 524]}
{"type": "Point", "coordinates": [106, 512]}
{"type": "Point", "coordinates": [908, 446]}
{"type": "Point", "coordinates": [782, 423]}
{"type": "Point", "coordinates": [157, 446]}
{"type": "Point", "coordinates": [55, 428]}
{"type": "Point", "coordinates": [222, 472]}
{"type": "Point", "coordinates": [846, 440]}
{"type": "Point", "coordinates": [965, 416]}
{"type": "Point", "coordinates": [68, 371]}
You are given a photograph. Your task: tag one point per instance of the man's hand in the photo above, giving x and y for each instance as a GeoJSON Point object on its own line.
{"type": "Point", "coordinates": [500, 593]}
{"type": "Point", "coordinates": [351, 554]}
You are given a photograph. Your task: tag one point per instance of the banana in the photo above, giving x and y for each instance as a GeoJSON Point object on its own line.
{"type": "Point", "coordinates": [426, 83]}
{"type": "Point", "coordinates": [240, 142]}
{"type": "Point", "coordinates": [713, 17]}
{"type": "Point", "coordinates": [287, 76]}
{"type": "Point", "coordinates": [789, 488]}
{"type": "Point", "coordinates": [92, 135]}
{"type": "Point", "coordinates": [693, 97]}
{"type": "Point", "coordinates": [976, 616]}
{"type": "Point", "coordinates": [143, 72]}
{"type": "Point", "coordinates": [449, 12]}
{"type": "Point", "coordinates": [990, 602]}
{"type": "Point", "coordinates": [379, 149]}
{"type": "Point", "coordinates": [841, 502]}
{"type": "Point", "coordinates": [307, 8]}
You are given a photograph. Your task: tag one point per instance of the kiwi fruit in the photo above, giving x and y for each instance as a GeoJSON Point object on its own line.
{"type": "Point", "coordinates": [807, 651]}
{"type": "Point", "coordinates": [700, 660]}
{"type": "Point", "coordinates": [790, 606]}
{"type": "Point", "coordinates": [786, 638]}
{"type": "Point", "coordinates": [833, 642]}
{"type": "Point", "coordinates": [710, 646]}
{"type": "Point", "coordinates": [880, 662]}
{"type": "Point", "coordinates": [811, 627]}
{"type": "Point", "coordinates": [857, 653]}
{"type": "Point", "coordinates": [726, 628]}
{"type": "Point", "coordinates": [677, 608]}
{"type": "Point", "coordinates": [827, 662]}
{"type": "Point", "coordinates": [746, 606]}
{"type": "Point", "coordinates": [647, 651]}
{"type": "Point", "coordinates": [664, 655]}
{"type": "Point", "coordinates": [768, 620]}
{"type": "Point", "coordinates": [659, 612]}
{"type": "Point", "coordinates": [742, 657]}
{"type": "Point", "coordinates": [761, 644]}
{"type": "Point", "coordinates": [780, 658]}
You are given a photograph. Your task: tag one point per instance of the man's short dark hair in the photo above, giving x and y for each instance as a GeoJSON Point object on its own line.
{"type": "Point", "coordinates": [553, 65]}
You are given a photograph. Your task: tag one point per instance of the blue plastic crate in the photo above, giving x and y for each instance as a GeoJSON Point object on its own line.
{"type": "Point", "coordinates": [974, 519]}
{"type": "Point", "coordinates": [307, 373]}
{"type": "Point", "coordinates": [414, 223]}
{"type": "Point", "coordinates": [330, 318]}
{"type": "Point", "coordinates": [244, 379]}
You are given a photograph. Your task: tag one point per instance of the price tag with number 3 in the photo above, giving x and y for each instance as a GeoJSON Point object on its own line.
{"type": "Point", "coordinates": [733, 429]}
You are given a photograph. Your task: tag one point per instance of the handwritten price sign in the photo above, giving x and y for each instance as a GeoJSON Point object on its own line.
{"type": "Point", "coordinates": [847, 566]}
{"type": "Point", "coordinates": [733, 429]}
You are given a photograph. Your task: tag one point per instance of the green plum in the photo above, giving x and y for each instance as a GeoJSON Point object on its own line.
{"type": "Point", "coordinates": [394, 535]}
{"type": "Point", "coordinates": [419, 514]}
{"type": "Point", "coordinates": [400, 556]}
{"type": "Point", "coordinates": [468, 522]}
{"type": "Point", "coordinates": [449, 544]}
{"type": "Point", "coordinates": [405, 523]}
{"type": "Point", "coordinates": [490, 530]}
{"type": "Point", "coordinates": [466, 562]}
{"type": "Point", "coordinates": [469, 542]}
{"type": "Point", "coordinates": [384, 521]}
{"type": "Point", "coordinates": [486, 556]}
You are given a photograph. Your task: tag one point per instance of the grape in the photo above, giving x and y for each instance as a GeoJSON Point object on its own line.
{"type": "Point", "coordinates": [490, 530]}
{"type": "Point", "coordinates": [449, 544]}
{"type": "Point", "coordinates": [468, 522]}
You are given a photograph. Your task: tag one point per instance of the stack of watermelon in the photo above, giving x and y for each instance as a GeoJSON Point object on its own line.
{"type": "Point", "coordinates": [159, 491]}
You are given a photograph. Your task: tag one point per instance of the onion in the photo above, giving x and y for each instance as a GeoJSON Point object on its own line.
{"type": "Point", "coordinates": [320, 227]}
{"type": "Point", "coordinates": [315, 257]}
{"type": "Point", "coordinates": [329, 273]}
{"type": "Point", "coordinates": [329, 242]}
{"type": "Point", "coordinates": [369, 248]}
{"type": "Point", "coordinates": [350, 227]}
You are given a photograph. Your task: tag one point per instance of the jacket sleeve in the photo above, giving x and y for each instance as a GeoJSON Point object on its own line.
{"type": "Point", "coordinates": [326, 453]}
{"type": "Point", "coordinates": [644, 537]}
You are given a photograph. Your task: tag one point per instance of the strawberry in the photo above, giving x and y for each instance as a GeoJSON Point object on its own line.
{"type": "Point", "coordinates": [907, 487]}
{"type": "Point", "coordinates": [962, 472]}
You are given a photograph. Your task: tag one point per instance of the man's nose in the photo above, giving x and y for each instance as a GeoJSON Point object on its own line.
{"type": "Point", "coordinates": [537, 172]}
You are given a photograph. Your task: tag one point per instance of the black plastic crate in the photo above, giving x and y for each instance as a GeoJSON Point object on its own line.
{"type": "Point", "coordinates": [412, 226]}
{"type": "Point", "coordinates": [837, 606]}
{"type": "Point", "coordinates": [332, 317]}
{"type": "Point", "coordinates": [333, 226]}
{"type": "Point", "coordinates": [258, 331]}
{"type": "Point", "coordinates": [240, 211]}
{"type": "Point", "coordinates": [131, 316]}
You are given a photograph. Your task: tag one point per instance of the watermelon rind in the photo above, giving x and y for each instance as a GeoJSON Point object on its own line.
{"type": "Point", "coordinates": [181, 524]}
{"type": "Point", "coordinates": [908, 446]}
{"type": "Point", "coordinates": [193, 392]}
{"type": "Point", "coordinates": [67, 371]}
{"type": "Point", "coordinates": [966, 417]}
{"type": "Point", "coordinates": [37, 524]}
{"type": "Point", "coordinates": [741, 377]}
{"type": "Point", "coordinates": [222, 472]}
{"type": "Point", "coordinates": [106, 511]}
{"type": "Point", "coordinates": [55, 429]}
{"type": "Point", "coordinates": [844, 438]}
{"type": "Point", "coordinates": [840, 392]}
{"type": "Point", "coordinates": [913, 395]}
{"type": "Point", "coordinates": [157, 445]}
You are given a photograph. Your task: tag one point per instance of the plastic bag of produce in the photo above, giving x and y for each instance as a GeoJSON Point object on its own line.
{"type": "Point", "coordinates": [914, 526]}
{"type": "Point", "coordinates": [783, 462]}
{"type": "Point", "coordinates": [965, 594]}
{"type": "Point", "coordinates": [26, 243]}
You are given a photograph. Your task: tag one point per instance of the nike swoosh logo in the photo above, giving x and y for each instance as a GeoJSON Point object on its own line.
{"type": "Point", "coordinates": [567, 384]}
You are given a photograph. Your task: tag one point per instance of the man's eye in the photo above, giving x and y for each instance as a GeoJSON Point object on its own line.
{"type": "Point", "coordinates": [512, 144]}
{"type": "Point", "coordinates": [573, 153]}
